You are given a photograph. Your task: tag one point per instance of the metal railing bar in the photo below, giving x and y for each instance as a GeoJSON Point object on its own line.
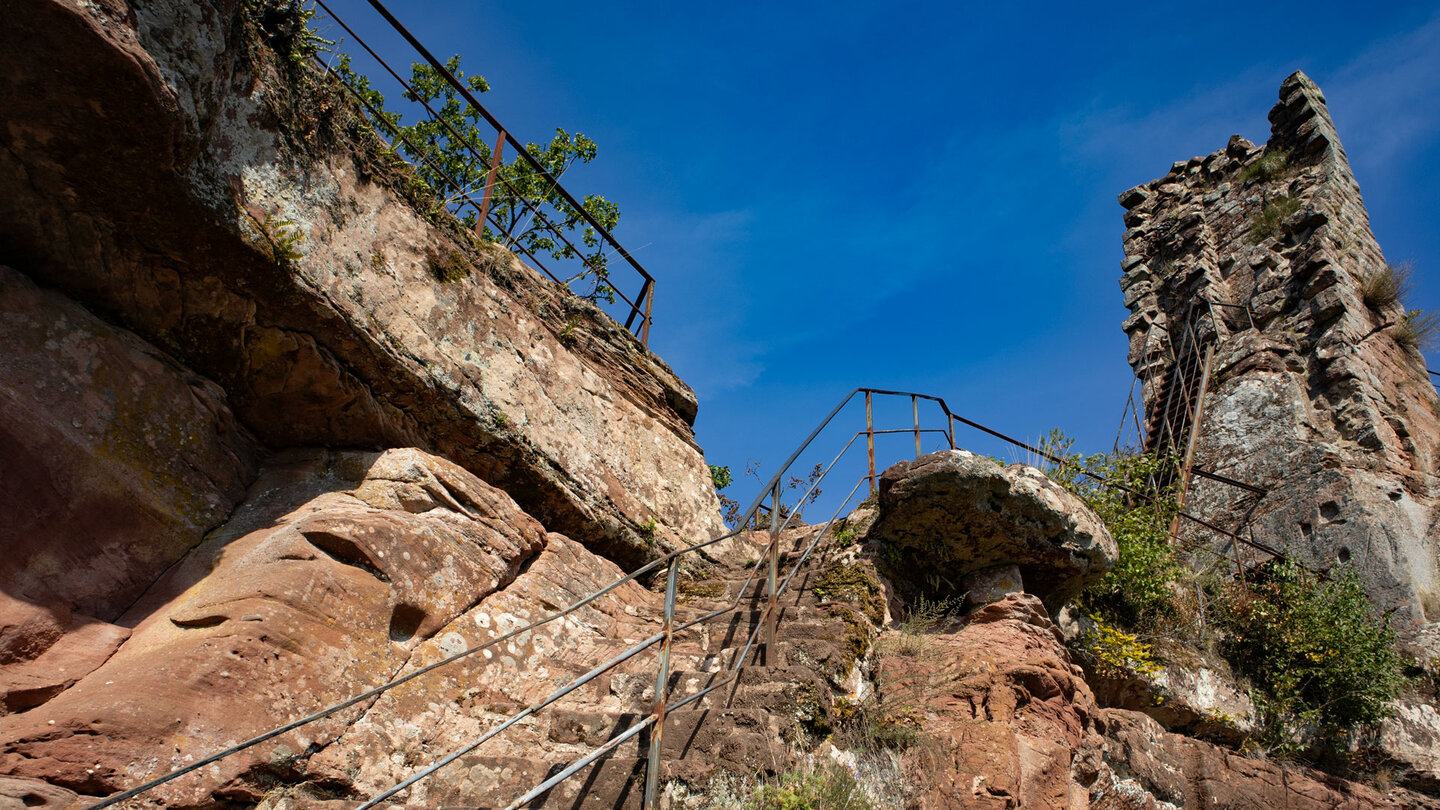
{"type": "Point", "coordinates": [1203, 473]}
{"type": "Point", "coordinates": [514, 718]}
{"type": "Point", "coordinates": [779, 473]}
{"type": "Point", "coordinates": [597, 671]}
{"type": "Point", "coordinates": [580, 763]}
{"type": "Point", "coordinates": [818, 535]}
{"type": "Point", "coordinates": [443, 175]}
{"type": "Point", "coordinates": [475, 151]}
{"type": "Point", "coordinates": [570, 687]}
{"type": "Point", "coordinates": [409, 676]}
{"type": "Point", "coordinates": [434, 116]}
{"type": "Point", "coordinates": [667, 558]}
{"type": "Point", "coordinates": [755, 633]}
{"type": "Point", "coordinates": [519, 147]}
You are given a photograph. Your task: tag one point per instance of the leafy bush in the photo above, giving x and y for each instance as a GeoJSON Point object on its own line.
{"type": "Point", "coordinates": [454, 147]}
{"type": "Point", "coordinates": [1267, 222]}
{"type": "Point", "coordinates": [1114, 653]}
{"type": "Point", "coordinates": [1137, 589]}
{"type": "Point", "coordinates": [720, 477]}
{"type": "Point", "coordinates": [285, 26]}
{"type": "Point", "coordinates": [1315, 650]}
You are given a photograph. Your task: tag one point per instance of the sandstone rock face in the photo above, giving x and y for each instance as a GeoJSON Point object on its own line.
{"type": "Point", "coordinates": [278, 254]}
{"type": "Point", "coordinates": [1010, 714]}
{"type": "Point", "coordinates": [321, 585]}
{"type": "Point", "coordinates": [1149, 768]}
{"type": "Point", "coordinates": [116, 460]}
{"type": "Point", "coordinates": [1315, 396]}
{"type": "Point", "coordinates": [1008, 721]}
{"type": "Point", "coordinates": [954, 513]}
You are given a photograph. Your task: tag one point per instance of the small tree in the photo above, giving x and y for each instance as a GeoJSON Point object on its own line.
{"type": "Point", "coordinates": [451, 154]}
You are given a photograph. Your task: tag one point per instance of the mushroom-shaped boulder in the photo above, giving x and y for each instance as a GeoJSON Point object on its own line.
{"type": "Point", "coordinates": [949, 516]}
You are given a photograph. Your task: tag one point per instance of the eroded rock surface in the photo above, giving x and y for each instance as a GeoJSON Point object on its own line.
{"type": "Point", "coordinates": [1319, 394]}
{"type": "Point", "coordinates": [276, 251]}
{"type": "Point", "coordinates": [1008, 721]}
{"type": "Point", "coordinates": [117, 459]}
{"type": "Point", "coordinates": [954, 513]}
{"type": "Point", "coordinates": [322, 584]}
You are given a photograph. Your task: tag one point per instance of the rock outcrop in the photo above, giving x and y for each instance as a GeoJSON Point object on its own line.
{"type": "Point", "coordinates": [955, 517]}
{"type": "Point", "coordinates": [1007, 720]}
{"type": "Point", "coordinates": [319, 586]}
{"type": "Point", "coordinates": [117, 459]}
{"type": "Point", "coordinates": [1318, 394]}
{"type": "Point", "coordinates": [228, 206]}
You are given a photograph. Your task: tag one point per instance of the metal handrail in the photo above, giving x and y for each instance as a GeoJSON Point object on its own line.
{"type": "Point", "coordinates": [768, 619]}
{"type": "Point", "coordinates": [641, 306]}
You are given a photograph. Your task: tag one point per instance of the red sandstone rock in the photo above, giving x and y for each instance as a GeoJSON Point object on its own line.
{"type": "Point", "coordinates": [1007, 717]}
{"type": "Point", "coordinates": [953, 513]}
{"type": "Point", "coordinates": [1009, 722]}
{"type": "Point", "coordinates": [165, 225]}
{"type": "Point", "coordinates": [321, 585]}
{"type": "Point", "coordinates": [116, 459]}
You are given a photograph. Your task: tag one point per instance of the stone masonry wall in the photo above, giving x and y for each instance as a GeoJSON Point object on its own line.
{"type": "Point", "coordinates": [1316, 395]}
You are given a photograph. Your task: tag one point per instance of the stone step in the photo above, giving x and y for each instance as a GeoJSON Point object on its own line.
{"type": "Point", "coordinates": [765, 687]}
{"type": "Point", "coordinates": [688, 731]}
{"type": "Point", "coordinates": [695, 743]}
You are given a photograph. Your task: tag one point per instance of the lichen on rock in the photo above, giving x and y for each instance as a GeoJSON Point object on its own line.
{"type": "Point", "coordinates": [950, 514]}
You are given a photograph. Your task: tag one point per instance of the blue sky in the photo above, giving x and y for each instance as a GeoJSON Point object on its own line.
{"type": "Point", "coordinates": [922, 196]}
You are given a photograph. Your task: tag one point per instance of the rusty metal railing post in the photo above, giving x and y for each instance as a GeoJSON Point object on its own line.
{"type": "Point", "coordinates": [1189, 462]}
{"type": "Point", "coordinates": [870, 439]}
{"type": "Point", "coordinates": [773, 577]}
{"type": "Point", "coordinates": [662, 687]}
{"type": "Point", "coordinates": [490, 183]}
{"type": "Point", "coordinates": [649, 303]}
{"type": "Point", "coordinates": [950, 429]}
{"type": "Point", "coordinates": [915, 412]}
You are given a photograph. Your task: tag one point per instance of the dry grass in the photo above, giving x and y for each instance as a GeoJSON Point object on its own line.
{"type": "Point", "coordinates": [1385, 286]}
{"type": "Point", "coordinates": [1418, 330]}
{"type": "Point", "coordinates": [1267, 222]}
{"type": "Point", "coordinates": [1268, 166]}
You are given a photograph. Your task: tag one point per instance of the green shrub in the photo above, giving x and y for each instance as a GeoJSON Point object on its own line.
{"type": "Point", "coordinates": [720, 477]}
{"type": "Point", "coordinates": [1114, 653]}
{"type": "Point", "coordinates": [1315, 650]}
{"type": "Point", "coordinates": [829, 788]}
{"type": "Point", "coordinates": [1267, 222]}
{"type": "Point", "coordinates": [285, 27]}
{"type": "Point", "coordinates": [1137, 589]}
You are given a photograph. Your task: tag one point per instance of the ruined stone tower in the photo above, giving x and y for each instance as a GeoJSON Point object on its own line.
{"type": "Point", "coordinates": [1259, 263]}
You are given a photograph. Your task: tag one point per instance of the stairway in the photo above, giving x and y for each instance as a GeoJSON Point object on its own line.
{"type": "Point", "coordinates": [1172, 409]}
{"type": "Point", "coordinates": [745, 727]}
